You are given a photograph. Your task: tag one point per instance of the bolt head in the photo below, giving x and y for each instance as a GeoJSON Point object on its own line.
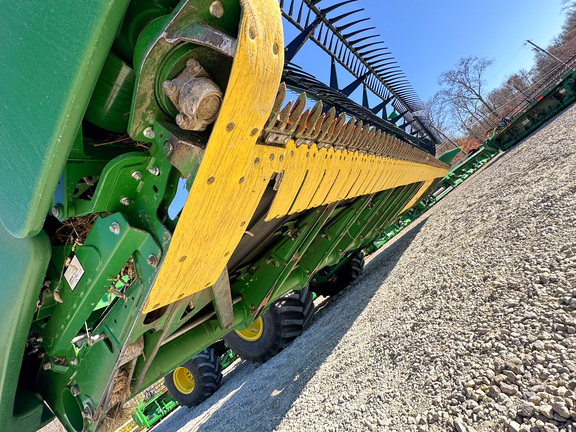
{"type": "Point", "coordinates": [137, 175]}
{"type": "Point", "coordinates": [169, 88]}
{"type": "Point", "coordinates": [125, 201]}
{"type": "Point", "coordinates": [115, 228]}
{"type": "Point", "coordinates": [216, 9]}
{"type": "Point", "coordinates": [74, 361]}
{"type": "Point", "coordinates": [149, 133]}
{"type": "Point", "coordinates": [87, 412]}
{"type": "Point", "coordinates": [55, 211]}
{"type": "Point", "coordinates": [152, 260]}
{"type": "Point", "coordinates": [154, 170]}
{"type": "Point", "coordinates": [75, 390]}
{"type": "Point", "coordinates": [46, 365]}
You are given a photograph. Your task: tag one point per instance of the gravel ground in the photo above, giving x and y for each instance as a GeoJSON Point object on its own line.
{"type": "Point", "coordinates": [465, 322]}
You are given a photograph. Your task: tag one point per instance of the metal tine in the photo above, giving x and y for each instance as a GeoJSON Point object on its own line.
{"type": "Point", "coordinates": [367, 132]}
{"type": "Point", "coordinates": [347, 132]}
{"type": "Point", "coordinates": [380, 145]}
{"type": "Point", "coordinates": [302, 124]}
{"type": "Point", "coordinates": [280, 96]}
{"type": "Point", "coordinates": [307, 17]}
{"type": "Point", "coordinates": [284, 117]}
{"type": "Point", "coordinates": [314, 121]}
{"type": "Point", "coordinates": [296, 112]}
{"type": "Point", "coordinates": [377, 145]}
{"type": "Point", "coordinates": [371, 146]}
{"type": "Point", "coordinates": [356, 133]}
{"type": "Point", "coordinates": [300, 12]}
{"type": "Point", "coordinates": [291, 9]}
{"type": "Point", "coordinates": [335, 129]}
{"type": "Point", "coordinates": [327, 121]}
{"type": "Point", "coordinates": [359, 137]}
{"type": "Point", "coordinates": [339, 130]}
{"type": "Point", "coordinates": [387, 145]}
{"type": "Point", "coordinates": [349, 143]}
{"type": "Point", "coordinates": [368, 138]}
{"type": "Point", "coordinates": [355, 32]}
{"type": "Point", "coordinates": [350, 24]}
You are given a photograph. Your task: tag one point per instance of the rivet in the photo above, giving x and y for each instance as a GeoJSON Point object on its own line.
{"type": "Point", "coordinates": [115, 228]}
{"type": "Point", "coordinates": [230, 126]}
{"type": "Point", "coordinates": [291, 153]}
{"type": "Point", "coordinates": [253, 131]}
{"type": "Point", "coordinates": [275, 49]}
{"type": "Point", "coordinates": [243, 223]}
{"type": "Point", "coordinates": [180, 295]}
{"type": "Point", "coordinates": [149, 133]}
{"type": "Point", "coordinates": [241, 180]}
{"type": "Point", "coordinates": [272, 157]}
{"type": "Point", "coordinates": [137, 175]}
{"type": "Point", "coordinates": [216, 9]}
{"type": "Point", "coordinates": [251, 34]}
{"type": "Point", "coordinates": [182, 258]}
{"type": "Point", "coordinates": [211, 180]}
{"type": "Point", "coordinates": [256, 161]}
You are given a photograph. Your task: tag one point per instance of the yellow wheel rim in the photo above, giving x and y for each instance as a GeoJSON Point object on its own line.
{"type": "Point", "coordinates": [253, 332]}
{"type": "Point", "coordinates": [183, 380]}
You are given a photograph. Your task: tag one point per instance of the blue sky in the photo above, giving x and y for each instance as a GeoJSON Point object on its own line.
{"type": "Point", "coordinates": [428, 37]}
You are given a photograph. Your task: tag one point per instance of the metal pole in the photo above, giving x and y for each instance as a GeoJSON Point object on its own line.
{"type": "Point", "coordinates": [546, 52]}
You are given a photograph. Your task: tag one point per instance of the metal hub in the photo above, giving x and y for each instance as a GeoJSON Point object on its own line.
{"type": "Point", "coordinates": [195, 95]}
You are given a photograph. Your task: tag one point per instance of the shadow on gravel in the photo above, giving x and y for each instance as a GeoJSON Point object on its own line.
{"type": "Point", "coordinates": [257, 397]}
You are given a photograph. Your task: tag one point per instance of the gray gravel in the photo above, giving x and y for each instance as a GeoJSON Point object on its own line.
{"type": "Point", "coordinates": [465, 322]}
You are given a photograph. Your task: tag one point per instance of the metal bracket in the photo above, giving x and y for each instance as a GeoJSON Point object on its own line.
{"type": "Point", "coordinates": [222, 298]}
{"type": "Point", "coordinates": [185, 25]}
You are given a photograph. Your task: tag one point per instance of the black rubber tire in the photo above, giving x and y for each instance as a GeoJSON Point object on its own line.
{"type": "Point", "coordinates": [343, 277]}
{"type": "Point", "coordinates": [207, 373]}
{"type": "Point", "coordinates": [281, 324]}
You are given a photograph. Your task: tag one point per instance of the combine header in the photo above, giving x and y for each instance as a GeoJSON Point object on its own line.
{"type": "Point", "coordinates": [108, 285]}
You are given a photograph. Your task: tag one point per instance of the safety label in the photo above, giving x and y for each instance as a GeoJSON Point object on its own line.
{"type": "Point", "coordinates": [74, 272]}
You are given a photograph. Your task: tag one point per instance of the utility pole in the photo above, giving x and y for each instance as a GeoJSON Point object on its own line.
{"type": "Point", "coordinates": [546, 52]}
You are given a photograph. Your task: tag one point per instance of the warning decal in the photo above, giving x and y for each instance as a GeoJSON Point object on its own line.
{"type": "Point", "coordinates": [74, 272]}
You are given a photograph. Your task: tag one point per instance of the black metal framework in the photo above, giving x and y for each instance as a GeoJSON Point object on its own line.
{"type": "Point", "coordinates": [350, 43]}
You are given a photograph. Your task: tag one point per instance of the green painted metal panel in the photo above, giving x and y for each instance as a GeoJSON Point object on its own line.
{"type": "Point", "coordinates": [51, 54]}
{"type": "Point", "coordinates": [23, 264]}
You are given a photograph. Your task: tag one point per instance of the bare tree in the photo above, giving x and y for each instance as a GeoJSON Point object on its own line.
{"type": "Point", "coordinates": [464, 90]}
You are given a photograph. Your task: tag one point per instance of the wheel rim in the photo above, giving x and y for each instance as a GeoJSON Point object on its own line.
{"type": "Point", "coordinates": [183, 380]}
{"type": "Point", "coordinates": [252, 332]}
